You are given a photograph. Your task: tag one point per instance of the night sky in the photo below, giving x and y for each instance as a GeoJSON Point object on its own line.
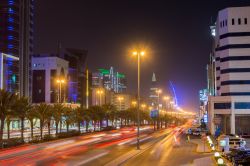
{"type": "Point", "coordinates": [175, 33]}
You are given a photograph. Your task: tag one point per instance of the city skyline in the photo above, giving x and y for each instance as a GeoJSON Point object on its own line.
{"type": "Point", "coordinates": [109, 29]}
{"type": "Point", "coordinates": [124, 82]}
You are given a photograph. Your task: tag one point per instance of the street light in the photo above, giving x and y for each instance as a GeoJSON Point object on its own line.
{"type": "Point", "coordinates": [60, 82]}
{"type": "Point", "coordinates": [138, 54]}
{"type": "Point", "coordinates": [100, 92]}
{"type": "Point", "coordinates": [143, 106]}
{"type": "Point", "coordinates": [133, 103]}
{"type": "Point", "coordinates": [120, 99]}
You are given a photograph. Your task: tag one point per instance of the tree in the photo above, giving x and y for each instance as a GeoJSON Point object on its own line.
{"type": "Point", "coordinates": [110, 113]}
{"type": "Point", "coordinates": [7, 100]}
{"type": "Point", "coordinates": [41, 111]}
{"type": "Point", "coordinates": [21, 109]}
{"type": "Point", "coordinates": [57, 112]}
{"type": "Point", "coordinates": [87, 118]}
{"type": "Point", "coordinates": [68, 115]}
{"type": "Point", "coordinates": [78, 113]}
{"type": "Point", "coordinates": [31, 115]}
{"type": "Point", "coordinates": [97, 114]}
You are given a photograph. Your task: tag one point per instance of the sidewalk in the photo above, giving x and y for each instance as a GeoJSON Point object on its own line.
{"type": "Point", "coordinates": [205, 161]}
{"type": "Point", "coordinates": [202, 147]}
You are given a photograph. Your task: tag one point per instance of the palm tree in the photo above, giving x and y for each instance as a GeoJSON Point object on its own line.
{"type": "Point", "coordinates": [57, 111]}
{"type": "Point", "coordinates": [41, 113]}
{"type": "Point", "coordinates": [21, 109]}
{"type": "Point", "coordinates": [7, 100]}
{"type": "Point", "coordinates": [78, 113]}
{"type": "Point", "coordinates": [8, 121]}
{"type": "Point", "coordinates": [68, 114]}
{"type": "Point", "coordinates": [31, 115]}
{"type": "Point", "coordinates": [110, 112]}
{"type": "Point", "coordinates": [87, 118]}
{"type": "Point", "coordinates": [97, 114]}
{"type": "Point", "coordinates": [49, 118]}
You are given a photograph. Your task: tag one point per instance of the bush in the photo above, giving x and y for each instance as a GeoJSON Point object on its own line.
{"type": "Point", "coordinates": [36, 139]}
{"type": "Point", "coordinates": [11, 142]}
{"type": "Point", "coordinates": [108, 128]}
{"type": "Point", "coordinates": [68, 134]}
{"type": "Point", "coordinates": [48, 137]}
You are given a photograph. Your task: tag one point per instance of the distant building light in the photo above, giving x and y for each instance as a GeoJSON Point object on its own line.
{"type": "Point", "coordinates": [11, 2]}
{"type": "Point", "coordinates": [11, 11]}
{"type": "Point", "coordinates": [10, 46]}
{"type": "Point", "coordinates": [10, 28]}
{"type": "Point", "coordinates": [10, 19]}
{"type": "Point", "coordinates": [10, 37]}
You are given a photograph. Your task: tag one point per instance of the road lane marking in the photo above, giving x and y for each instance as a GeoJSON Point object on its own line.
{"type": "Point", "coordinates": [91, 159]}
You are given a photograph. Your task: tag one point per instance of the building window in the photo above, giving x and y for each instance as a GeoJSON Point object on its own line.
{"type": "Point", "coordinates": [232, 21]}
{"type": "Point", "coordinates": [245, 20]}
{"type": "Point", "coordinates": [222, 105]}
{"type": "Point", "coordinates": [239, 21]}
{"type": "Point", "coordinates": [242, 105]}
{"type": "Point", "coordinates": [225, 22]}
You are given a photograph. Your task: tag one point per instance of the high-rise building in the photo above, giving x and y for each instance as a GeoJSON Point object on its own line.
{"type": "Point", "coordinates": [16, 37]}
{"type": "Point", "coordinates": [77, 78]}
{"type": "Point", "coordinates": [153, 96]}
{"type": "Point", "coordinates": [110, 80]}
{"type": "Point", "coordinates": [229, 108]}
{"type": "Point", "coordinates": [50, 81]}
{"type": "Point", "coordinates": [9, 73]}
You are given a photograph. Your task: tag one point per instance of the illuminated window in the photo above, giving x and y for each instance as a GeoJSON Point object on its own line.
{"type": "Point", "coordinates": [232, 21]}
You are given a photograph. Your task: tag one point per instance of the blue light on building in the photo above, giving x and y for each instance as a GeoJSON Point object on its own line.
{"type": "Point", "coordinates": [10, 19]}
{"type": "Point", "coordinates": [11, 11]}
{"type": "Point", "coordinates": [10, 46]}
{"type": "Point", "coordinates": [11, 2]}
{"type": "Point", "coordinates": [10, 28]}
{"type": "Point", "coordinates": [10, 37]}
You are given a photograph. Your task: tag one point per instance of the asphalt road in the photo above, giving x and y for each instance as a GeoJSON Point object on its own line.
{"type": "Point", "coordinates": [104, 147]}
{"type": "Point", "coordinates": [95, 148]}
{"type": "Point", "coordinates": [167, 153]}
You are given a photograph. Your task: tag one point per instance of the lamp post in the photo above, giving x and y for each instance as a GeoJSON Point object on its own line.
{"type": "Point", "coordinates": [159, 91]}
{"type": "Point", "coordinates": [138, 54]}
{"type": "Point", "coordinates": [60, 82]}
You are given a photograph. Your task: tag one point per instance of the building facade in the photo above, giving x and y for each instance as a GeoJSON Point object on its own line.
{"type": "Point", "coordinates": [153, 96]}
{"type": "Point", "coordinates": [110, 79]}
{"type": "Point", "coordinates": [50, 79]}
{"type": "Point", "coordinates": [229, 107]}
{"type": "Point", "coordinates": [9, 74]}
{"type": "Point", "coordinates": [16, 38]}
{"type": "Point", "coordinates": [78, 91]}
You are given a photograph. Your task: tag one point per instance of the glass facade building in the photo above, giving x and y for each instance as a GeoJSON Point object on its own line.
{"type": "Point", "coordinates": [16, 38]}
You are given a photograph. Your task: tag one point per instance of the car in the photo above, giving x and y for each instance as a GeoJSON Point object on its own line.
{"type": "Point", "coordinates": [198, 133]}
{"type": "Point", "coordinates": [244, 162]}
{"type": "Point", "coordinates": [237, 154]}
